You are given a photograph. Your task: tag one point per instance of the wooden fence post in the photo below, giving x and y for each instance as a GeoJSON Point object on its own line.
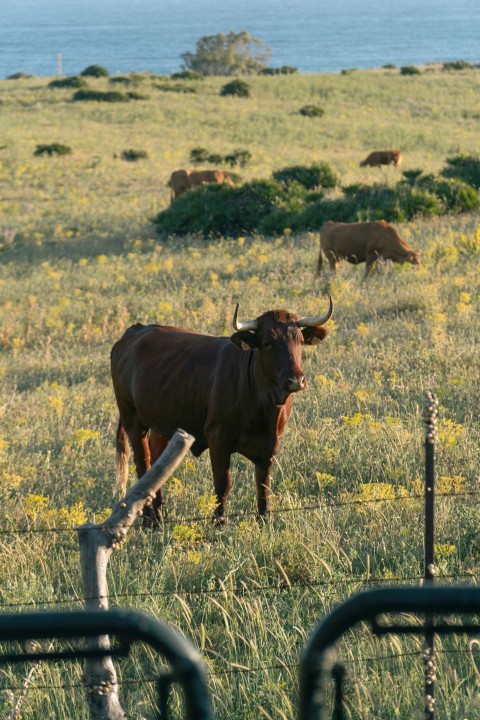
{"type": "Point", "coordinates": [96, 544]}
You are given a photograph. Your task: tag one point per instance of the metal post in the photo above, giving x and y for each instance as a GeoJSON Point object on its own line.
{"type": "Point", "coordinates": [430, 422]}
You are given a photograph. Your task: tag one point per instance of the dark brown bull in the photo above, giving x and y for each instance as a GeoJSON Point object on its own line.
{"type": "Point", "coordinates": [383, 157]}
{"type": "Point", "coordinates": [232, 394]}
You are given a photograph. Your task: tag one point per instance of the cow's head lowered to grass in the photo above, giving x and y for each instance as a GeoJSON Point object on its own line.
{"type": "Point", "coordinates": [231, 401]}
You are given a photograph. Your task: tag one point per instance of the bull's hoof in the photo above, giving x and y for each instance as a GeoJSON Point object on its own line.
{"type": "Point", "coordinates": [219, 520]}
{"type": "Point", "coordinates": [263, 519]}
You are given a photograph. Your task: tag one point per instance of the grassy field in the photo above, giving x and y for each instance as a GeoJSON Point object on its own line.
{"type": "Point", "coordinates": [80, 262]}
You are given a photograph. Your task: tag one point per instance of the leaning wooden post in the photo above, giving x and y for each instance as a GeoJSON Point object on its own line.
{"type": "Point", "coordinates": [96, 544]}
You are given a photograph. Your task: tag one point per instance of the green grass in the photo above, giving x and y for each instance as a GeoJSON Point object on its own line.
{"type": "Point", "coordinates": [80, 262]}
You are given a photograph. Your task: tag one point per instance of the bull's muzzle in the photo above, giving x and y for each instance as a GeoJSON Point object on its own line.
{"type": "Point", "coordinates": [295, 383]}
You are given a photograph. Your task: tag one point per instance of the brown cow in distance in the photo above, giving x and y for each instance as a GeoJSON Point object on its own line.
{"type": "Point", "coordinates": [383, 157]}
{"type": "Point", "coordinates": [183, 180]}
{"type": "Point", "coordinates": [363, 242]}
{"type": "Point", "coordinates": [233, 394]}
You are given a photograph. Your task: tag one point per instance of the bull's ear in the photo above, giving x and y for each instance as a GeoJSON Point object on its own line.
{"type": "Point", "coordinates": [314, 335]}
{"type": "Point", "coordinates": [245, 339]}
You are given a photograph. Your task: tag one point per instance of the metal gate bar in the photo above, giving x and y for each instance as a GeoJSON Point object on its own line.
{"type": "Point", "coordinates": [316, 663]}
{"type": "Point", "coordinates": [187, 668]}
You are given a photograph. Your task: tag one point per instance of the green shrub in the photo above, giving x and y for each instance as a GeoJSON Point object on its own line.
{"type": "Point", "coordinates": [101, 96]}
{"type": "Point", "coordinates": [455, 195]}
{"type": "Point", "coordinates": [53, 149]}
{"type": "Point", "coordinates": [236, 87]}
{"type": "Point", "coordinates": [213, 210]}
{"type": "Point", "coordinates": [283, 70]}
{"type": "Point", "coordinates": [215, 158]}
{"type": "Point", "coordinates": [68, 82]}
{"type": "Point", "coordinates": [166, 87]}
{"type": "Point", "coordinates": [464, 167]}
{"type": "Point", "coordinates": [187, 75]}
{"type": "Point", "coordinates": [319, 175]}
{"type": "Point", "coordinates": [457, 65]}
{"type": "Point", "coordinates": [133, 95]}
{"type": "Point", "coordinates": [411, 176]}
{"type": "Point", "coordinates": [311, 111]}
{"type": "Point", "coordinates": [199, 155]}
{"type": "Point", "coordinates": [95, 71]}
{"type": "Point", "coordinates": [123, 80]}
{"type": "Point", "coordinates": [19, 76]}
{"type": "Point", "coordinates": [409, 70]}
{"type": "Point", "coordinates": [238, 157]}
{"type": "Point", "coordinates": [389, 66]}
{"type": "Point", "coordinates": [132, 155]}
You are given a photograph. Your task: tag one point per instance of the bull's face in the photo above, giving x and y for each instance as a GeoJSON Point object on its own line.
{"type": "Point", "coordinates": [277, 336]}
{"type": "Point", "coordinates": [414, 258]}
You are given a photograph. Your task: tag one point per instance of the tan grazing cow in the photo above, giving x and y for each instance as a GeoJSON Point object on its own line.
{"type": "Point", "coordinates": [183, 180]}
{"type": "Point", "coordinates": [363, 242]}
{"type": "Point", "coordinates": [383, 157]}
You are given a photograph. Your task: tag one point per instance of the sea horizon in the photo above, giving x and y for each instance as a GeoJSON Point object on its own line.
{"type": "Point", "coordinates": [47, 37]}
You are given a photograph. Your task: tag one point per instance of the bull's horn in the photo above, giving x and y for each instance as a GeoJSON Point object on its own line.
{"type": "Point", "coordinates": [247, 325]}
{"type": "Point", "coordinates": [317, 321]}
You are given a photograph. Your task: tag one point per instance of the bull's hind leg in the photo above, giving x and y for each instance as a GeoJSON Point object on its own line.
{"type": "Point", "coordinates": [138, 436]}
{"type": "Point", "coordinates": [156, 512]}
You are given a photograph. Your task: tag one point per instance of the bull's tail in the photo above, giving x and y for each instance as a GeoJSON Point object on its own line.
{"type": "Point", "coordinates": [122, 457]}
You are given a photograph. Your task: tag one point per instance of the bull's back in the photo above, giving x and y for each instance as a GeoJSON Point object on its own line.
{"type": "Point", "coordinates": [166, 375]}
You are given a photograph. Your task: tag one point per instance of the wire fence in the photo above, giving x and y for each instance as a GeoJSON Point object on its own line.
{"type": "Point", "coordinates": [241, 670]}
{"type": "Point", "coordinates": [184, 520]}
{"type": "Point", "coordinates": [360, 580]}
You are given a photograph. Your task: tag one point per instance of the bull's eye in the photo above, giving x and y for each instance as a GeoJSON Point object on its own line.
{"type": "Point", "coordinates": [267, 345]}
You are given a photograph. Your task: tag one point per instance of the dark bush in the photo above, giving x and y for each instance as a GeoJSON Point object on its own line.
{"type": "Point", "coordinates": [53, 149]}
{"type": "Point", "coordinates": [464, 167]}
{"type": "Point", "coordinates": [283, 70]}
{"type": "Point", "coordinates": [166, 87]}
{"type": "Point", "coordinates": [409, 70]}
{"type": "Point", "coordinates": [311, 111]}
{"type": "Point", "coordinates": [222, 210]}
{"type": "Point", "coordinates": [389, 66]}
{"type": "Point", "coordinates": [236, 87]}
{"type": "Point", "coordinates": [187, 75]}
{"type": "Point", "coordinates": [316, 176]}
{"type": "Point", "coordinates": [199, 155]}
{"type": "Point", "coordinates": [136, 96]}
{"type": "Point", "coordinates": [95, 71]}
{"type": "Point", "coordinates": [215, 158]}
{"type": "Point", "coordinates": [270, 206]}
{"type": "Point", "coordinates": [123, 80]}
{"type": "Point", "coordinates": [73, 81]}
{"type": "Point", "coordinates": [238, 157]}
{"type": "Point", "coordinates": [455, 195]}
{"type": "Point", "coordinates": [100, 96]}
{"type": "Point", "coordinates": [19, 76]}
{"type": "Point", "coordinates": [411, 176]}
{"type": "Point", "coordinates": [133, 155]}
{"type": "Point", "coordinates": [457, 65]}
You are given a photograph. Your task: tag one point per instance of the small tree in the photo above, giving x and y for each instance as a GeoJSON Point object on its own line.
{"type": "Point", "coordinates": [233, 54]}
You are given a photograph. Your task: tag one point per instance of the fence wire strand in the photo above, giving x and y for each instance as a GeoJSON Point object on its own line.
{"type": "Point", "coordinates": [275, 511]}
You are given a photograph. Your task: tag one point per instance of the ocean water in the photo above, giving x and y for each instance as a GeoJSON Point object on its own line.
{"type": "Point", "coordinates": [312, 35]}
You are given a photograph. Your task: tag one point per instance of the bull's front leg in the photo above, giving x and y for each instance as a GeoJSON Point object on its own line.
{"type": "Point", "coordinates": [264, 482]}
{"type": "Point", "coordinates": [222, 480]}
